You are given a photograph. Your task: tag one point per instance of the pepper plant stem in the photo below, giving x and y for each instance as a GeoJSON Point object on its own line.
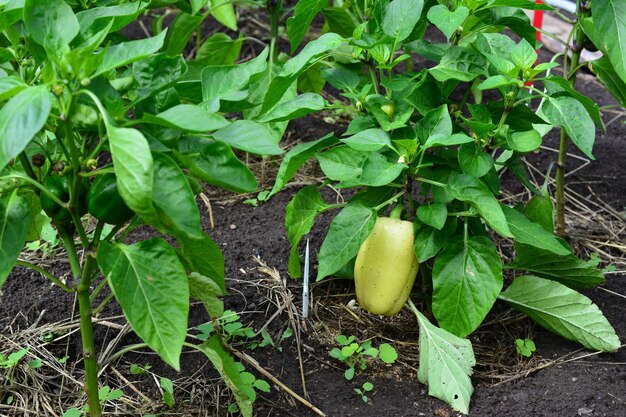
{"type": "Point", "coordinates": [562, 158]}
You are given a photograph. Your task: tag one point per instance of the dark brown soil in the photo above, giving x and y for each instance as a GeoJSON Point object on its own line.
{"type": "Point", "coordinates": [592, 386]}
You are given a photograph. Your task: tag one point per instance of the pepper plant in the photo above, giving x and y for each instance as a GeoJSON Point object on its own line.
{"type": "Point", "coordinates": [431, 141]}
{"type": "Point", "coordinates": [98, 130]}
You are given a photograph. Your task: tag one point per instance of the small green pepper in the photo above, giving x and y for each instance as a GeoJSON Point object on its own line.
{"type": "Point", "coordinates": [59, 187]}
{"type": "Point", "coordinates": [386, 267]}
{"type": "Point", "coordinates": [105, 202]}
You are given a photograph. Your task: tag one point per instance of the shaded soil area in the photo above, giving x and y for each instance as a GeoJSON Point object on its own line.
{"type": "Point", "coordinates": [559, 380]}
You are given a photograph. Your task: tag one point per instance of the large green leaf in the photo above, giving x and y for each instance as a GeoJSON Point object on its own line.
{"type": "Point", "coordinates": [231, 372]}
{"type": "Point", "coordinates": [204, 256]}
{"type": "Point", "coordinates": [219, 49]}
{"type": "Point", "coordinates": [297, 156]}
{"type": "Point", "coordinates": [300, 216]}
{"type": "Point", "coordinates": [467, 278]}
{"type": "Point", "coordinates": [174, 200]}
{"type": "Point", "coordinates": [434, 125]}
{"type": "Point", "coordinates": [400, 17]}
{"type": "Point", "coordinates": [51, 23]}
{"type": "Point", "coordinates": [445, 365]}
{"type": "Point", "coordinates": [298, 24]}
{"type": "Point", "coordinates": [125, 53]}
{"type": "Point", "coordinates": [470, 189]}
{"type": "Point", "coordinates": [216, 164]}
{"type": "Point", "coordinates": [528, 232]}
{"type": "Point", "coordinates": [555, 84]}
{"type": "Point", "coordinates": [207, 291]}
{"type": "Point", "coordinates": [447, 21]}
{"type": "Point", "coordinates": [121, 15]}
{"type": "Point", "coordinates": [134, 168]}
{"type": "Point", "coordinates": [151, 285]}
{"type": "Point", "coordinates": [605, 71]}
{"type": "Point", "coordinates": [347, 232]}
{"type": "Point", "coordinates": [188, 117]}
{"type": "Point", "coordinates": [249, 136]}
{"type": "Point", "coordinates": [297, 65]}
{"type": "Point", "coordinates": [572, 116]}
{"type": "Point", "coordinates": [368, 140]}
{"type": "Point", "coordinates": [568, 270]}
{"type": "Point", "coordinates": [14, 223]}
{"type": "Point", "coordinates": [562, 311]}
{"type": "Point", "coordinates": [609, 17]}
{"type": "Point", "coordinates": [20, 120]}
{"type": "Point", "coordinates": [293, 109]}
{"type": "Point", "coordinates": [459, 63]}
{"type": "Point", "coordinates": [429, 241]}
{"type": "Point", "coordinates": [354, 168]}
{"type": "Point", "coordinates": [224, 12]}
{"type": "Point", "coordinates": [180, 32]}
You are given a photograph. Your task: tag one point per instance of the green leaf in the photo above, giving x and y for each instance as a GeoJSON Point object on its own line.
{"type": "Point", "coordinates": [568, 270]}
{"type": "Point", "coordinates": [293, 109]}
{"type": "Point", "coordinates": [467, 278]}
{"type": "Point", "coordinates": [572, 116]}
{"type": "Point", "coordinates": [10, 86]}
{"type": "Point", "coordinates": [300, 216]}
{"type": "Point", "coordinates": [341, 78]}
{"type": "Point", "coordinates": [219, 49]}
{"type": "Point", "coordinates": [151, 286]}
{"type": "Point", "coordinates": [563, 311]}
{"type": "Point", "coordinates": [173, 199]}
{"type": "Point", "coordinates": [387, 353]}
{"type": "Point", "coordinates": [52, 23]}
{"type": "Point", "coordinates": [204, 289]}
{"type": "Point", "coordinates": [297, 156]}
{"type": "Point", "coordinates": [555, 84]}
{"type": "Point", "coordinates": [608, 18]}
{"type": "Point", "coordinates": [340, 20]}
{"type": "Point", "coordinates": [447, 21]}
{"type": "Point", "coordinates": [434, 125]}
{"type": "Point", "coordinates": [524, 4]}
{"type": "Point", "coordinates": [429, 241]}
{"type": "Point", "coordinates": [188, 117]}
{"type": "Point", "coordinates": [249, 136]}
{"type": "Point", "coordinates": [347, 232]}
{"type": "Point", "coordinates": [293, 68]}
{"type": "Point", "coordinates": [445, 365]}
{"type": "Point", "coordinates": [125, 53]}
{"type": "Point", "coordinates": [121, 15]}
{"type": "Point", "coordinates": [355, 168]}
{"type": "Point", "coordinates": [454, 139]}
{"type": "Point", "coordinates": [224, 12]}
{"type": "Point", "coordinates": [525, 141]}
{"type": "Point", "coordinates": [530, 233]}
{"type": "Point", "coordinates": [134, 168]}
{"type": "Point", "coordinates": [299, 23]}
{"type": "Point", "coordinates": [398, 22]}
{"type": "Point", "coordinates": [14, 223]}
{"type": "Point", "coordinates": [459, 63]}
{"type": "Point", "coordinates": [474, 161]}
{"type": "Point", "coordinates": [197, 5]}
{"type": "Point", "coordinates": [230, 372]}
{"type": "Point", "coordinates": [605, 71]}
{"type": "Point", "coordinates": [368, 140]}
{"type": "Point", "coordinates": [470, 189]}
{"type": "Point", "coordinates": [21, 119]}
{"type": "Point", "coordinates": [181, 30]}
{"type": "Point", "coordinates": [433, 214]}
{"type": "Point", "coordinates": [204, 256]}
{"type": "Point", "coordinates": [496, 81]}
{"type": "Point", "coordinates": [524, 55]}
{"type": "Point", "coordinates": [216, 164]}
{"type": "Point", "coordinates": [228, 82]}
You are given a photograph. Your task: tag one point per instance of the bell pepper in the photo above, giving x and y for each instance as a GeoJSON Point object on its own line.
{"type": "Point", "coordinates": [105, 203]}
{"type": "Point", "coordinates": [386, 267]}
{"type": "Point", "coordinates": [59, 187]}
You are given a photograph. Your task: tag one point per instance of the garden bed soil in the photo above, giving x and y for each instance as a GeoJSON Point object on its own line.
{"type": "Point", "coordinates": [561, 379]}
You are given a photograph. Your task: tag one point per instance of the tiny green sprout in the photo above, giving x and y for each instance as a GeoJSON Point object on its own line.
{"type": "Point", "coordinates": [365, 388]}
{"type": "Point", "coordinates": [525, 347]}
{"type": "Point", "coordinates": [355, 355]}
{"type": "Point", "coordinates": [136, 369]}
{"type": "Point", "coordinates": [168, 391]}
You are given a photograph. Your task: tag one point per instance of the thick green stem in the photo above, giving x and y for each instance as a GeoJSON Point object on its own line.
{"type": "Point", "coordinates": [83, 277]}
{"type": "Point", "coordinates": [579, 36]}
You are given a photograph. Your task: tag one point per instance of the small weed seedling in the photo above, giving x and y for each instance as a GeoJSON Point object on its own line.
{"type": "Point", "coordinates": [365, 388]}
{"type": "Point", "coordinates": [355, 355]}
{"type": "Point", "coordinates": [167, 388]}
{"type": "Point", "coordinates": [235, 333]}
{"type": "Point", "coordinates": [525, 347]}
